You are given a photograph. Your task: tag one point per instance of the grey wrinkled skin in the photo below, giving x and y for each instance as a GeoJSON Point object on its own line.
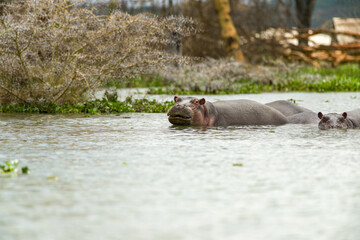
{"type": "Point", "coordinates": [347, 120]}
{"type": "Point", "coordinates": [192, 111]}
{"type": "Point", "coordinates": [304, 118]}
{"type": "Point", "coordinates": [294, 113]}
{"type": "Point", "coordinates": [287, 108]}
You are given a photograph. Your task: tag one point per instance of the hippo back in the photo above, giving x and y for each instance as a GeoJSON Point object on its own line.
{"type": "Point", "coordinates": [354, 116]}
{"type": "Point", "coordinates": [304, 118]}
{"type": "Point", "coordinates": [247, 112]}
{"type": "Point", "coordinates": [287, 108]}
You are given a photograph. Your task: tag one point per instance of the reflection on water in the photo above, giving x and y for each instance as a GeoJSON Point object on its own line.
{"type": "Point", "coordinates": [141, 178]}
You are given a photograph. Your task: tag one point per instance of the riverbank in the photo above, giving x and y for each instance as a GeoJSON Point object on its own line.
{"type": "Point", "coordinates": [227, 78]}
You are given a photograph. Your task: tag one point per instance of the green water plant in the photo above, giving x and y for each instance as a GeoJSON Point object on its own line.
{"type": "Point", "coordinates": [55, 178]}
{"type": "Point", "coordinates": [237, 164]}
{"type": "Point", "coordinates": [108, 105]}
{"type": "Point", "coordinates": [11, 167]}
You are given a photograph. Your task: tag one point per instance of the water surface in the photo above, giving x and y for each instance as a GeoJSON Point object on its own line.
{"type": "Point", "coordinates": [134, 176]}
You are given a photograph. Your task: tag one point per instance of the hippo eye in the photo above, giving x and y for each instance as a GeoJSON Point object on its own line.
{"type": "Point", "coordinates": [195, 101]}
{"type": "Point", "coordinates": [341, 119]}
{"type": "Point", "coordinates": [325, 119]}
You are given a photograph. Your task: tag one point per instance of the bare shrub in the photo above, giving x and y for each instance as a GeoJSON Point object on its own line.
{"type": "Point", "coordinates": [55, 52]}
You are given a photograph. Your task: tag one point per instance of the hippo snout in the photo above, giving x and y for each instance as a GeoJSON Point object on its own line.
{"type": "Point", "coordinates": [180, 115]}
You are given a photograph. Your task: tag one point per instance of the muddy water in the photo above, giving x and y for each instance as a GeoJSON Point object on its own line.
{"type": "Point", "coordinates": [135, 176]}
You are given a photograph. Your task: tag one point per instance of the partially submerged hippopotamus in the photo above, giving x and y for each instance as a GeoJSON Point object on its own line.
{"type": "Point", "coordinates": [193, 111]}
{"type": "Point", "coordinates": [295, 114]}
{"type": "Point", "coordinates": [346, 120]}
{"type": "Point", "coordinates": [287, 108]}
{"type": "Point", "coordinates": [304, 118]}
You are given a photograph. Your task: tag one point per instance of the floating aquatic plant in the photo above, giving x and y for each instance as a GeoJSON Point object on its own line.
{"type": "Point", "coordinates": [237, 165]}
{"type": "Point", "coordinates": [11, 167]}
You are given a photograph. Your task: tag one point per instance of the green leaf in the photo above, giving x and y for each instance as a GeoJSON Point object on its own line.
{"type": "Point", "coordinates": [11, 167]}
{"type": "Point", "coordinates": [238, 164]}
{"type": "Point", "coordinates": [52, 178]}
{"type": "Point", "coordinates": [25, 170]}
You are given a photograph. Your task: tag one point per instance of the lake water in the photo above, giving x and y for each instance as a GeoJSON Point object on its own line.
{"type": "Point", "coordinates": [135, 176]}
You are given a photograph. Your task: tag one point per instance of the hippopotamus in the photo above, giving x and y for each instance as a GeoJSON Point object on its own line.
{"type": "Point", "coordinates": [193, 111]}
{"type": "Point", "coordinates": [287, 108]}
{"type": "Point", "coordinates": [294, 113]}
{"type": "Point", "coordinates": [346, 120]}
{"type": "Point", "coordinates": [304, 118]}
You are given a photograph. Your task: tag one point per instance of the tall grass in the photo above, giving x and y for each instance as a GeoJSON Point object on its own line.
{"type": "Point", "coordinates": [55, 52]}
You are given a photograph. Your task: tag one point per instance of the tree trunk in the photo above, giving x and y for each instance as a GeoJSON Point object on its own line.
{"type": "Point", "coordinates": [228, 30]}
{"type": "Point", "coordinates": [163, 8]}
{"type": "Point", "coordinates": [170, 7]}
{"type": "Point", "coordinates": [304, 9]}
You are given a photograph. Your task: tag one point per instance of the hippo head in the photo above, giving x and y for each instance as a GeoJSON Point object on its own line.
{"type": "Point", "coordinates": [187, 111]}
{"type": "Point", "coordinates": [333, 120]}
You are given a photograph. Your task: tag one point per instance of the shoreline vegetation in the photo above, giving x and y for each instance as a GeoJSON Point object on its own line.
{"type": "Point", "coordinates": [345, 78]}
{"type": "Point", "coordinates": [53, 56]}
{"type": "Point", "coordinates": [236, 78]}
{"type": "Point", "coordinates": [98, 106]}
{"type": "Point", "coordinates": [58, 52]}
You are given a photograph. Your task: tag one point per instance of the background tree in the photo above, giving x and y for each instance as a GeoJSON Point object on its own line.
{"type": "Point", "coordinates": [304, 10]}
{"type": "Point", "coordinates": [228, 30]}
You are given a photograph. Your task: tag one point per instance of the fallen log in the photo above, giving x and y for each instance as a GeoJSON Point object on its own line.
{"type": "Point", "coordinates": [334, 53]}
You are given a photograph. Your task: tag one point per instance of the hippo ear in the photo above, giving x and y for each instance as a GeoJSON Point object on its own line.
{"type": "Point", "coordinates": [344, 115]}
{"type": "Point", "coordinates": [202, 101]}
{"type": "Point", "coordinates": [320, 115]}
{"type": "Point", "coordinates": [176, 99]}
